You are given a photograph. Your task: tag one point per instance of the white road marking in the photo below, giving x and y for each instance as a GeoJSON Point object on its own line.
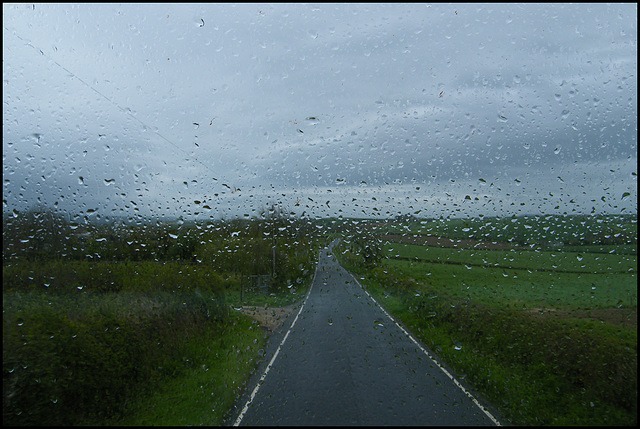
{"type": "Point", "coordinates": [456, 382]}
{"type": "Point", "coordinates": [275, 355]}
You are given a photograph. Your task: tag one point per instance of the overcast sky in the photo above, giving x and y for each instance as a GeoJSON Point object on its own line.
{"type": "Point", "coordinates": [218, 110]}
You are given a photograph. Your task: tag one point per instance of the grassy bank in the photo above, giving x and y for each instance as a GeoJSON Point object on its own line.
{"type": "Point", "coordinates": [75, 356]}
{"type": "Point", "coordinates": [219, 365]}
{"type": "Point", "coordinates": [82, 358]}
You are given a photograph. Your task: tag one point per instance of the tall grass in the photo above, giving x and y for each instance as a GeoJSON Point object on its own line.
{"type": "Point", "coordinates": [220, 364]}
{"type": "Point", "coordinates": [81, 358]}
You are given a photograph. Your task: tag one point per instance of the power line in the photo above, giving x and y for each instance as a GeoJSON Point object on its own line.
{"type": "Point", "coordinates": [125, 111]}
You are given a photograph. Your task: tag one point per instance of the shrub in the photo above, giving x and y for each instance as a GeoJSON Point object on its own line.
{"type": "Point", "coordinates": [79, 358]}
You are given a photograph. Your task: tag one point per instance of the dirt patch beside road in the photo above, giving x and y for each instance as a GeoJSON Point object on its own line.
{"type": "Point", "coordinates": [269, 318]}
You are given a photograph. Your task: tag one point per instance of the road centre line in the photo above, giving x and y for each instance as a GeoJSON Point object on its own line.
{"type": "Point", "coordinates": [456, 382]}
{"type": "Point", "coordinates": [275, 355]}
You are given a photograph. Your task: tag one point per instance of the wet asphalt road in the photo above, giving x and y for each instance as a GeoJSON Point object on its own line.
{"type": "Point", "coordinates": [345, 362]}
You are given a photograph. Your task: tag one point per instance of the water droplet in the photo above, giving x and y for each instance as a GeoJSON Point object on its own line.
{"type": "Point", "coordinates": [109, 182]}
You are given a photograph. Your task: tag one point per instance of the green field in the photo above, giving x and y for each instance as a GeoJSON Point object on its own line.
{"type": "Point", "coordinates": [543, 328]}
{"type": "Point", "coordinates": [540, 279]}
{"type": "Point", "coordinates": [541, 230]}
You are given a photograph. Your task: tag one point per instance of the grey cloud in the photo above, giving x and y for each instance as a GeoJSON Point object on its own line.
{"type": "Point", "coordinates": [404, 95]}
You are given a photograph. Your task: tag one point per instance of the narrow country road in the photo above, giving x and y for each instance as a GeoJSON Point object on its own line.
{"type": "Point", "coordinates": [342, 361]}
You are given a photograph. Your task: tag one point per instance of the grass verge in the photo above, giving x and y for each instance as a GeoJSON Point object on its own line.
{"type": "Point", "coordinates": [536, 371]}
{"type": "Point", "coordinates": [220, 365]}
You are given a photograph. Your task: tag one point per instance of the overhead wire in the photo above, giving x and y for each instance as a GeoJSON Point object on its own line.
{"type": "Point", "coordinates": [125, 111]}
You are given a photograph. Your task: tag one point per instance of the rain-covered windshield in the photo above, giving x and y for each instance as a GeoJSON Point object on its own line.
{"type": "Point", "coordinates": [186, 185]}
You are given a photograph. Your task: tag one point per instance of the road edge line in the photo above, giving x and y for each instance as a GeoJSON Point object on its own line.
{"type": "Point", "coordinates": [266, 371]}
{"type": "Point", "coordinates": [456, 382]}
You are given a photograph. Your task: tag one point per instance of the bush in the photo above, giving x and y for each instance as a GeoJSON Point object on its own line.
{"type": "Point", "coordinates": [78, 359]}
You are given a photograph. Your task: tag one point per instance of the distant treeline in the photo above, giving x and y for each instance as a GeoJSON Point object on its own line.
{"type": "Point", "coordinates": [271, 244]}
